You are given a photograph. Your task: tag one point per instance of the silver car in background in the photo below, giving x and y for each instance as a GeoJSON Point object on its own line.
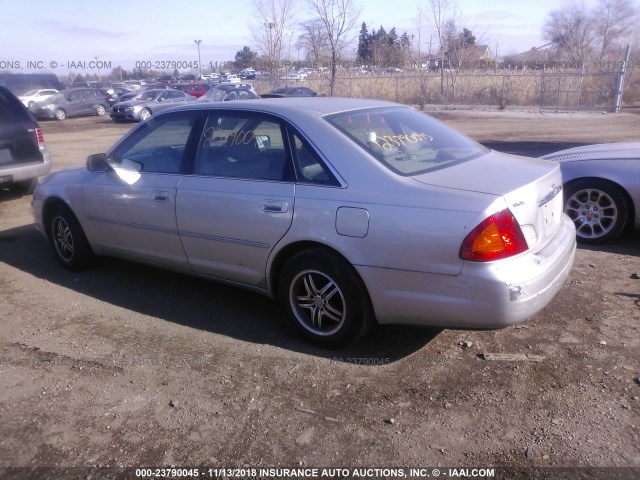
{"type": "Point", "coordinates": [146, 103]}
{"type": "Point", "coordinates": [349, 212]}
{"type": "Point", "coordinates": [602, 189]}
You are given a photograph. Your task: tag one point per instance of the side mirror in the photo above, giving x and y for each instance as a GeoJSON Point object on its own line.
{"type": "Point", "coordinates": [98, 162]}
{"type": "Point", "coordinates": [263, 141]}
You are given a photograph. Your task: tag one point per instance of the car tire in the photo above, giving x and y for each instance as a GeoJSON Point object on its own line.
{"type": "Point", "coordinates": [69, 241]}
{"type": "Point", "coordinates": [61, 114]}
{"type": "Point", "coordinates": [23, 187]}
{"type": "Point", "coordinates": [598, 209]}
{"type": "Point", "coordinates": [100, 110]}
{"type": "Point", "coordinates": [324, 299]}
{"type": "Point", "coordinates": [144, 114]}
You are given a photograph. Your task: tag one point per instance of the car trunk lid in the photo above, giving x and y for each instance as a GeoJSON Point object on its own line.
{"type": "Point", "coordinates": [530, 187]}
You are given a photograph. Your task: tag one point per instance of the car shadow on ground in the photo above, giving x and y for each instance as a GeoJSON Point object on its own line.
{"type": "Point", "coordinates": [7, 195]}
{"type": "Point", "coordinates": [198, 303]}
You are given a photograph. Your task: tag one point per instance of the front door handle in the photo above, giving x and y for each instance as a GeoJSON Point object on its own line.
{"type": "Point", "coordinates": [160, 196]}
{"type": "Point", "coordinates": [275, 206]}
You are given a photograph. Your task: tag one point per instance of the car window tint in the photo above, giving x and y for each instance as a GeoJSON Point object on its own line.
{"type": "Point", "coordinates": [309, 167]}
{"type": "Point", "coordinates": [246, 146]}
{"type": "Point", "coordinates": [11, 109]}
{"type": "Point", "coordinates": [157, 147]}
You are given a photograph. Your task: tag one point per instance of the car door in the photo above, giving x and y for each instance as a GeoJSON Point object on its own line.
{"type": "Point", "coordinates": [74, 100]}
{"type": "Point", "coordinates": [89, 102]}
{"type": "Point", "coordinates": [166, 100]}
{"type": "Point", "coordinates": [131, 210]}
{"type": "Point", "coordinates": [239, 201]}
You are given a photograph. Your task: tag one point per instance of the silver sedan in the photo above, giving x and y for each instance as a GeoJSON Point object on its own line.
{"type": "Point", "coordinates": [602, 189]}
{"type": "Point", "coordinates": [146, 103]}
{"type": "Point", "coordinates": [348, 212]}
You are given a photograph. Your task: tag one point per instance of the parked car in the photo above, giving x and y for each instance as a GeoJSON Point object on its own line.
{"type": "Point", "coordinates": [71, 103]}
{"type": "Point", "coordinates": [133, 84]}
{"type": "Point", "coordinates": [230, 91]}
{"type": "Point", "coordinates": [601, 189]}
{"type": "Point", "coordinates": [116, 93]}
{"type": "Point", "coordinates": [147, 103]}
{"type": "Point", "coordinates": [348, 211]}
{"type": "Point", "coordinates": [37, 95]}
{"type": "Point", "coordinates": [193, 89]}
{"type": "Point", "coordinates": [294, 77]}
{"type": "Point", "coordinates": [165, 79]}
{"type": "Point", "coordinates": [290, 92]}
{"type": "Point", "coordinates": [231, 78]}
{"type": "Point", "coordinates": [148, 86]}
{"type": "Point", "coordinates": [23, 155]}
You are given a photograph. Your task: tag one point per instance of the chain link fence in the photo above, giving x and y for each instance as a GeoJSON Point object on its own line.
{"type": "Point", "coordinates": [547, 90]}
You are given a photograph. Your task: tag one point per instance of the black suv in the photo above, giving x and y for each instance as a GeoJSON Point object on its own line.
{"type": "Point", "coordinates": [23, 156]}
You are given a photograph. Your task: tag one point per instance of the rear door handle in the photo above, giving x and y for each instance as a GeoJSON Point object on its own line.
{"type": "Point", "coordinates": [275, 206]}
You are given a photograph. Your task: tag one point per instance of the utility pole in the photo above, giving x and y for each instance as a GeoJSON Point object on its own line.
{"type": "Point", "coordinates": [197, 42]}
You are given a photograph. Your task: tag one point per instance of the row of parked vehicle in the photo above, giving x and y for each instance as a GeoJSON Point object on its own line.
{"type": "Point", "coordinates": [137, 102]}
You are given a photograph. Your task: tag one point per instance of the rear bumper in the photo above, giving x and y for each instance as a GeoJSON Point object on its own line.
{"type": "Point", "coordinates": [485, 295]}
{"type": "Point", "coordinates": [17, 173]}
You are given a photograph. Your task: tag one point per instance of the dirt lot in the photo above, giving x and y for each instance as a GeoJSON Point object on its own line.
{"type": "Point", "coordinates": [125, 365]}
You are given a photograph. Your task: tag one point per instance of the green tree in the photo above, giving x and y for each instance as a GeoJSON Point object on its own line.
{"type": "Point", "coordinates": [467, 39]}
{"type": "Point", "coordinates": [245, 58]}
{"type": "Point", "coordinates": [364, 44]}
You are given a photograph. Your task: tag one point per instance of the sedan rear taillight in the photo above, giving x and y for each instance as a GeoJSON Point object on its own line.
{"type": "Point", "coordinates": [39, 135]}
{"type": "Point", "coordinates": [498, 236]}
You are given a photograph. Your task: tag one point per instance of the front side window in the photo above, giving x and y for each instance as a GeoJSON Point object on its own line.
{"type": "Point", "coordinates": [405, 140]}
{"type": "Point", "coordinates": [243, 145]}
{"type": "Point", "coordinates": [158, 147]}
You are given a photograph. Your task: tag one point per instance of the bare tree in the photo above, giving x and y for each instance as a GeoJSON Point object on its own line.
{"type": "Point", "coordinates": [314, 41]}
{"type": "Point", "coordinates": [614, 20]}
{"type": "Point", "coordinates": [274, 21]}
{"type": "Point", "coordinates": [571, 30]}
{"type": "Point", "coordinates": [338, 19]}
{"type": "Point", "coordinates": [444, 15]}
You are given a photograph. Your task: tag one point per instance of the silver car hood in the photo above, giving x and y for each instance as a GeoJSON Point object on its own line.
{"type": "Point", "coordinates": [602, 151]}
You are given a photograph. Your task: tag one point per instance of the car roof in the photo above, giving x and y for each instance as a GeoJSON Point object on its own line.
{"type": "Point", "coordinates": [319, 105]}
{"type": "Point", "coordinates": [157, 90]}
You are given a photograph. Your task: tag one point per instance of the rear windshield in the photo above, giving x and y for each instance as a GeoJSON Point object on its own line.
{"type": "Point", "coordinates": [405, 140]}
{"type": "Point", "coordinates": [11, 109]}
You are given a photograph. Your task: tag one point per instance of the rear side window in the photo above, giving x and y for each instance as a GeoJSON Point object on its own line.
{"type": "Point", "coordinates": [11, 110]}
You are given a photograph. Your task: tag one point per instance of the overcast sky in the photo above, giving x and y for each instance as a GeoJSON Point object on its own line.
{"type": "Point", "coordinates": [66, 33]}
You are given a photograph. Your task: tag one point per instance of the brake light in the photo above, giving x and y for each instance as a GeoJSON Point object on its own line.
{"type": "Point", "coordinates": [39, 135]}
{"type": "Point", "coordinates": [498, 236]}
